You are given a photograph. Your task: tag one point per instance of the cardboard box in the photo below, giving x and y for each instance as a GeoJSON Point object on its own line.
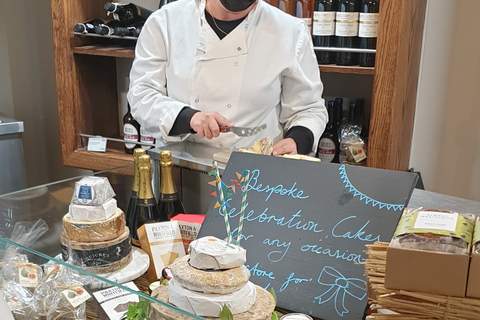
{"type": "Point", "coordinates": [189, 225]}
{"type": "Point", "coordinates": [427, 271]}
{"type": "Point", "coordinates": [162, 241]}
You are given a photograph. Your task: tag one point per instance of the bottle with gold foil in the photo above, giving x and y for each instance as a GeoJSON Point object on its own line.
{"type": "Point", "coordinates": [146, 209]}
{"type": "Point", "coordinates": [136, 183]}
{"type": "Point", "coordinates": [169, 201]}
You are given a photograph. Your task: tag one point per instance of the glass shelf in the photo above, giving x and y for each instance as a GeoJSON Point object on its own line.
{"type": "Point", "coordinates": [50, 202]}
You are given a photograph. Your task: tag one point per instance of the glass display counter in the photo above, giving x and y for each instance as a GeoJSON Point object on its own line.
{"type": "Point", "coordinates": [23, 211]}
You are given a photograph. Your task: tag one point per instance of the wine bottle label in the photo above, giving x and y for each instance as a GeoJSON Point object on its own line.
{"type": "Point", "coordinates": [169, 197]}
{"type": "Point", "coordinates": [368, 25]}
{"type": "Point", "coordinates": [323, 23]}
{"type": "Point", "coordinates": [130, 133]}
{"type": "Point", "coordinates": [346, 24]}
{"type": "Point", "coordinates": [326, 150]}
{"type": "Point", "coordinates": [146, 137]}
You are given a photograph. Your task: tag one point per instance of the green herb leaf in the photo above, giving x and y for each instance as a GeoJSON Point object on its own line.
{"type": "Point", "coordinates": [273, 294]}
{"type": "Point", "coordinates": [274, 315]}
{"type": "Point", "coordinates": [226, 314]}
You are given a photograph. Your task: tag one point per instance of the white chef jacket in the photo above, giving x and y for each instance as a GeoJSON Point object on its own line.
{"type": "Point", "coordinates": [263, 72]}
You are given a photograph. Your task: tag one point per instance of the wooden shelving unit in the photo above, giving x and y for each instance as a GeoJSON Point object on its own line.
{"type": "Point", "coordinates": [87, 91]}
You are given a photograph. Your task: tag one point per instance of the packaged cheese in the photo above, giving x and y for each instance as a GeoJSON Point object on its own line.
{"type": "Point", "coordinates": [92, 191]}
{"type": "Point", "coordinates": [212, 253]}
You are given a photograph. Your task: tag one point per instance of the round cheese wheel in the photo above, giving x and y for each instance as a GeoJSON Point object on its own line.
{"type": "Point", "coordinates": [209, 281]}
{"type": "Point", "coordinates": [98, 257]}
{"type": "Point", "coordinates": [212, 253]}
{"type": "Point", "coordinates": [94, 231]}
{"type": "Point", "coordinates": [211, 304]}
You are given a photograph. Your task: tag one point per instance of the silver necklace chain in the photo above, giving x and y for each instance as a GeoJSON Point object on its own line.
{"type": "Point", "coordinates": [214, 22]}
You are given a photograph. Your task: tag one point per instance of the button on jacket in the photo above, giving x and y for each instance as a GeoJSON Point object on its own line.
{"type": "Point", "coordinates": [263, 72]}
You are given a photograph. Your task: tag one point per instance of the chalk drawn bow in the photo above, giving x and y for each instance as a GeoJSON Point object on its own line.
{"type": "Point", "coordinates": [337, 287]}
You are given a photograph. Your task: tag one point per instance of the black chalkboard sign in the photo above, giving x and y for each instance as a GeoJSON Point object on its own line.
{"type": "Point", "coordinates": [306, 225]}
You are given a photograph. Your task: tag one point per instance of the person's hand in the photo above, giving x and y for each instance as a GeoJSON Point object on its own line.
{"type": "Point", "coordinates": [285, 146]}
{"type": "Point", "coordinates": [207, 124]}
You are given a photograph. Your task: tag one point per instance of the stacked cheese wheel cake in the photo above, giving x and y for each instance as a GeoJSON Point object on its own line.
{"type": "Point", "coordinates": [95, 236]}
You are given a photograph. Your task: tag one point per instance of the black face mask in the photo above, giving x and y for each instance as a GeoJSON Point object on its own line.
{"type": "Point", "coordinates": [237, 5]}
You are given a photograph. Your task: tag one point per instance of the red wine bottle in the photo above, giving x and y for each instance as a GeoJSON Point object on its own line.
{"type": "Point", "coordinates": [286, 6]}
{"type": "Point", "coordinates": [88, 26]}
{"type": "Point", "coordinates": [129, 13]}
{"type": "Point", "coordinates": [328, 145]}
{"type": "Point", "coordinates": [323, 29]}
{"type": "Point", "coordinates": [346, 31]}
{"type": "Point", "coordinates": [146, 137]}
{"type": "Point", "coordinates": [304, 11]}
{"type": "Point", "coordinates": [131, 130]}
{"type": "Point", "coordinates": [367, 30]}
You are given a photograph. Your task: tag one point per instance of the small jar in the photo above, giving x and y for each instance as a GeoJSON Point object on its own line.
{"type": "Point", "coordinates": [296, 316]}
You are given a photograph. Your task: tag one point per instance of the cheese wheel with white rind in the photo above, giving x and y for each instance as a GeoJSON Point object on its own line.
{"type": "Point", "coordinates": [98, 257]}
{"type": "Point", "coordinates": [213, 281]}
{"type": "Point", "coordinates": [212, 253]}
{"type": "Point", "coordinates": [93, 213]}
{"type": "Point", "coordinates": [211, 304]}
{"type": "Point", "coordinates": [93, 231]}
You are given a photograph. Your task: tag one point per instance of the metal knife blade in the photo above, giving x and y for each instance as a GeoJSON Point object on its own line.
{"type": "Point", "coordinates": [243, 131]}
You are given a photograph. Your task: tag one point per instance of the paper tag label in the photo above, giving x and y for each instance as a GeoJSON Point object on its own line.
{"type": "Point", "coordinates": [27, 275]}
{"type": "Point", "coordinates": [357, 153]}
{"type": "Point", "coordinates": [53, 272]}
{"type": "Point", "coordinates": [76, 296]}
{"type": "Point", "coordinates": [85, 194]}
{"type": "Point", "coordinates": [476, 234]}
{"type": "Point", "coordinates": [442, 223]}
{"type": "Point", "coordinates": [97, 144]}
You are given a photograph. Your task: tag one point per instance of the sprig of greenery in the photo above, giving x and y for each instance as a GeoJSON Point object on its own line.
{"type": "Point", "coordinates": [138, 310]}
{"type": "Point", "coordinates": [226, 314]}
{"type": "Point", "coordinates": [274, 313]}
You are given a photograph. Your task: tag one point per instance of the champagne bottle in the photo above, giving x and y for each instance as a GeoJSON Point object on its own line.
{"type": "Point", "coordinates": [146, 209]}
{"type": "Point", "coordinates": [367, 30]}
{"type": "Point", "coordinates": [323, 29]}
{"type": "Point", "coordinates": [304, 11]}
{"type": "Point", "coordinates": [169, 201]}
{"type": "Point", "coordinates": [131, 129]}
{"type": "Point", "coordinates": [146, 137]}
{"type": "Point", "coordinates": [327, 149]}
{"type": "Point", "coordinates": [346, 31]}
{"type": "Point", "coordinates": [88, 26]}
{"type": "Point", "coordinates": [128, 13]}
{"type": "Point", "coordinates": [135, 187]}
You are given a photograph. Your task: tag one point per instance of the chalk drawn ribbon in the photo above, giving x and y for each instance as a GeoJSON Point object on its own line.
{"type": "Point", "coordinates": [337, 287]}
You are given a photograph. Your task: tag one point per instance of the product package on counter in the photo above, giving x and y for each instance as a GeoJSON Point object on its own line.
{"type": "Point", "coordinates": [430, 252]}
{"type": "Point", "coordinates": [473, 284]}
{"type": "Point", "coordinates": [162, 241]}
{"type": "Point", "coordinates": [113, 302]}
{"type": "Point", "coordinates": [189, 225]}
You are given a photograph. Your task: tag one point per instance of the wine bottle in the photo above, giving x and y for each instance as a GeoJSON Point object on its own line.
{"type": "Point", "coordinates": [88, 26]}
{"type": "Point", "coordinates": [338, 112]}
{"type": "Point", "coordinates": [286, 6]}
{"type": "Point", "coordinates": [135, 187]}
{"type": "Point", "coordinates": [327, 149]}
{"type": "Point", "coordinates": [304, 11]}
{"type": "Point", "coordinates": [367, 30]}
{"type": "Point", "coordinates": [129, 12]}
{"type": "Point", "coordinates": [323, 29]}
{"type": "Point", "coordinates": [346, 31]}
{"type": "Point", "coordinates": [131, 129]}
{"type": "Point", "coordinates": [146, 209]}
{"type": "Point", "coordinates": [108, 28]}
{"type": "Point", "coordinates": [273, 3]}
{"type": "Point", "coordinates": [169, 201]}
{"type": "Point", "coordinates": [146, 137]}
{"type": "Point", "coordinates": [130, 31]}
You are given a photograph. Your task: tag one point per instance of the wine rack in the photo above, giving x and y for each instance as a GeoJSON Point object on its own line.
{"type": "Point", "coordinates": [87, 90]}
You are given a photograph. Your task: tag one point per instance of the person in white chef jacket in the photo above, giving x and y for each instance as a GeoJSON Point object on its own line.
{"type": "Point", "coordinates": [200, 64]}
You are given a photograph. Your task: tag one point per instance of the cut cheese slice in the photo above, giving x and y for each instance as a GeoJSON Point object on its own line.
{"type": "Point", "coordinates": [212, 253]}
{"type": "Point", "coordinates": [211, 304]}
{"type": "Point", "coordinates": [94, 231]}
{"type": "Point", "coordinates": [98, 257]}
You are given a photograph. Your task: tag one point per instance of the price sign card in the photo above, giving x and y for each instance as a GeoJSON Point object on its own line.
{"type": "Point", "coordinates": [306, 225]}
